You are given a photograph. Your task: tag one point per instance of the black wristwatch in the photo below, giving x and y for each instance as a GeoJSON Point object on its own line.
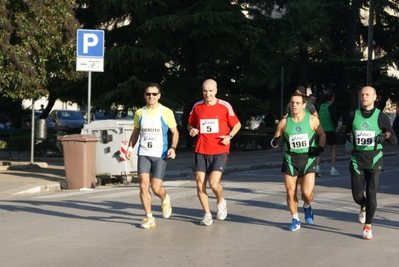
{"type": "Point", "coordinates": [231, 137]}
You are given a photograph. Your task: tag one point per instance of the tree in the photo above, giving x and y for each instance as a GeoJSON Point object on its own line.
{"type": "Point", "coordinates": [37, 51]}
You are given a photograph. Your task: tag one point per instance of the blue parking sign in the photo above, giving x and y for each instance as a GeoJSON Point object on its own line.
{"type": "Point", "coordinates": [90, 43]}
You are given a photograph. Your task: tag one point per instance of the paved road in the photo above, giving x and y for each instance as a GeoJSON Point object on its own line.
{"type": "Point", "coordinates": [100, 227]}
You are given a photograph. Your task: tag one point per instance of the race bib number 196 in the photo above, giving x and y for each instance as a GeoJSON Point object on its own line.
{"type": "Point", "coordinates": [299, 141]}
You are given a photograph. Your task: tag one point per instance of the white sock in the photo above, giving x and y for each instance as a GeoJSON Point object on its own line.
{"type": "Point", "coordinates": [295, 216]}
{"type": "Point", "coordinates": [306, 205]}
{"type": "Point", "coordinates": [149, 215]}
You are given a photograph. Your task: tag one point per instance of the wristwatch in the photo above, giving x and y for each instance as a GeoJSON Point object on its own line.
{"type": "Point", "coordinates": [231, 137]}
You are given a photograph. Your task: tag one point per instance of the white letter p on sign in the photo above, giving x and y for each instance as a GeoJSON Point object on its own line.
{"type": "Point", "coordinates": [89, 40]}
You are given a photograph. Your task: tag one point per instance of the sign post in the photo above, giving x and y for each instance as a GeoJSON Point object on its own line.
{"type": "Point", "coordinates": [90, 56]}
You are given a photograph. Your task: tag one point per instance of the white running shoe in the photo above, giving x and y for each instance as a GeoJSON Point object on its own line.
{"type": "Point", "coordinates": [166, 207]}
{"type": "Point", "coordinates": [362, 216]}
{"type": "Point", "coordinates": [148, 223]}
{"type": "Point", "coordinates": [367, 233]}
{"type": "Point", "coordinates": [317, 171]}
{"type": "Point", "coordinates": [334, 172]}
{"type": "Point", "coordinates": [222, 210]}
{"type": "Point", "coordinates": [206, 220]}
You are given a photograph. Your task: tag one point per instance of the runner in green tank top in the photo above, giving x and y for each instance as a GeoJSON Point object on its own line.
{"type": "Point", "coordinates": [299, 130]}
{"type": "Point", "coordinates": [367, 128]}
{"type": "Point", "coordinates": [329, 121]}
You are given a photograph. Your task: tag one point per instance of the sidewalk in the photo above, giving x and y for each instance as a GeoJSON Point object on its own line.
{"type": "Point", "coordinates": [19, 176]}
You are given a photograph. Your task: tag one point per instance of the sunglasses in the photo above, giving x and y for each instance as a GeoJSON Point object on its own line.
{"type": "Point", "coordinates": [153, 94]}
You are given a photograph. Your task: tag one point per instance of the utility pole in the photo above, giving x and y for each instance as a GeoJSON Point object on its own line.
{"type": "Point", "coordinates": [370, 43]}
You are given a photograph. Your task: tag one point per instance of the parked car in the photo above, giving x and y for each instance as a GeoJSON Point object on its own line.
{"type": "Point", "coordinates": [5, 122]}
{"type": "Point", "coordinates": [69, 121]}
{"type": "Point", "coordinates": [27, 122]}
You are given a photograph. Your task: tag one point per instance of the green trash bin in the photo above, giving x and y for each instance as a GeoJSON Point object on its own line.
{"type": "Point", "coordinates": [79, 160]}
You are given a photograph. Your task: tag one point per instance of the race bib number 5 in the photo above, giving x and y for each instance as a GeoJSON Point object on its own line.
{"type": "Point", "coordinates": [299, 141]}
{"type": "Point", "coordinates": [209, 126]}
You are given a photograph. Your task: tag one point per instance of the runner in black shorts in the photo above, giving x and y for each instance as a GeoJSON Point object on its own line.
{"type": "Point", "coordinates": [329, 121]}
{"type": "Point", "coordinates": [299, 130]}
{"type": "Point", "coordinates": [367, 128]}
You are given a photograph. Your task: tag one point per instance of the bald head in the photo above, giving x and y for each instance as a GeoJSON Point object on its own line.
{"type": "Point", "coordinates": [368, 95]}
{"type": "Point", "coordinates": [209, 83]}
{"type": "Point", "coordinates": [209, 90]}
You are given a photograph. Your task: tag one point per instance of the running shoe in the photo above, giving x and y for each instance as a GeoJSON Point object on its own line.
{"type": "Point", "coordinates": [166, 207]}
{"type": "Point", "coordinates": [148, 223]}
{"type": "Point", "coordinates": [295, 225]}
{"type": "Point", "coordinates": [308, 215]}
{"type": "Point", "coordinates": [367, 233]}
{"type": "Point", "coordinates": [206, 220]}
{"type": "Point", "coordinates": [334, 172]}
{"type": "Point", "coordinates": [317, 171]}
{"type": "Point", "coordinates": [222, 210]}
{"type": "Point", "coordinates": [362, 216]}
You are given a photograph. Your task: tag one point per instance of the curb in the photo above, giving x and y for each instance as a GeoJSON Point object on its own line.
{"type": "Point", "coordinates": [53, 187]}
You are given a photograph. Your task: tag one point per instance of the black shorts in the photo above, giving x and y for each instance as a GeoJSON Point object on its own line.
{"type": "Point", "coordinates": [298, 164]}
{"type": "Point", "coordinates": [331, 138]}
{"type": "Point", "coordinates": [366, 160]}
{"type": "Point", "coordinates": [209, 163]}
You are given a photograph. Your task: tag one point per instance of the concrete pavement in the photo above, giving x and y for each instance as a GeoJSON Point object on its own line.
{"type": "Point", "coordinates": [18, 176]}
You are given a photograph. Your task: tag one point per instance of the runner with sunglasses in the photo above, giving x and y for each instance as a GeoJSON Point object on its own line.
{"type": "Point", "coordinates": [151, 125]}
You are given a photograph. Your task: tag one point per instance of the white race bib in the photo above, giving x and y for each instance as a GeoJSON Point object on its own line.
{"type": "Point", "coordinates": [299, 141]}
{"type": "Point", "coordinates": [209, 126]}
{"type": "Point", "coordinates": [365, 138]}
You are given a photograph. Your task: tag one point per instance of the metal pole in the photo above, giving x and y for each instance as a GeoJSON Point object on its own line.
{"type": "Point", "coordinates": [370, 43]}
{"type": "Point", "coordinates": [282, 92]}
{"type": "Point", "coordinates": [32, 134]}
{"type": "Point", "coordinates": [88, 98]}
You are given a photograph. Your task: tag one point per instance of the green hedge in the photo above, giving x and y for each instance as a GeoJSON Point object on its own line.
{"type": "Point", "coordinates": [22, 143]}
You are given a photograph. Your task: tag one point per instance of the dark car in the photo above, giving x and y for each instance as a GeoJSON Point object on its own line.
{"type": "Point", "coordinates": [69, 121]}
{"type": "Point", "coordinates": [5, 122]}
{"type": "Point", "coordinates": [27, 122]}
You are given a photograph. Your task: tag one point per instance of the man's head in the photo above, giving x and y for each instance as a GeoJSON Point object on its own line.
{"type": "Point", "coordinates": [368, 95]}
{"type": "Point", "coordinates": [330, 97]}
{"type": "Point", "coordinates": [297, 103]}
{"type": "Point", "coordinates": [312, 99]}
{"type": "Point", "coordinates": [209, 90]}
{"type": "Point", "coordinates": [152, 93]}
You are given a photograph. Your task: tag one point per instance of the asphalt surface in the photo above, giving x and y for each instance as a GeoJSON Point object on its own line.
{"type": "Point", "coordinates": [18, 175]}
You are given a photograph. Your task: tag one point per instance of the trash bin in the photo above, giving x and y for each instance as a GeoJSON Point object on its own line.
{"type": "Point", "coordinates": [79, 160]}
{"type": "Point", "coordinates": [111, 162]}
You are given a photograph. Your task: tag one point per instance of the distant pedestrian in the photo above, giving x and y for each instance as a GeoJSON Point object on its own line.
{"type": "Point", "coordinates": [367, 128]}
{"type": "Point", "coordinates": [299, 130]}
{"type": "Point", "coordinates": [395, 124]}
{"type": "Point", "coordinates": [151, 124]}
{"type": "Point", "coordinates": [312, 99]}
{"type": "Point", "coordinates": [214, 122]}
{"type": "Point", "coordinates": [329, 121]}
{"type": "Point", "coordinates": [41, 108]}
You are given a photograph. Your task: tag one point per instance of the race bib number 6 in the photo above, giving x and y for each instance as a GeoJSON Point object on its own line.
{"type": "Point", "coordinates": [209, 126]}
